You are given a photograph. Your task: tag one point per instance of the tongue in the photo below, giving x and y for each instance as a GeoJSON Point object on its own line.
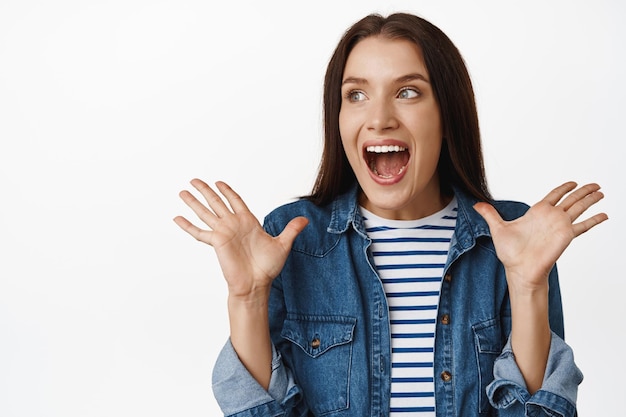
{"type": "Point", "coordinates": [390, 164]}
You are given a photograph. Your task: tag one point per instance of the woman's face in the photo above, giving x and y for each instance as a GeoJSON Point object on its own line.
{"type": "Point", "coordinates": [390, 128]}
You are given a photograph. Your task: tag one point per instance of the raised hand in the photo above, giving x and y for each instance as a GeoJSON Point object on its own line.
{"type": "Point", "coordinates": [530, 245]}
{"type": "Point", "coordinates": [249, 257]}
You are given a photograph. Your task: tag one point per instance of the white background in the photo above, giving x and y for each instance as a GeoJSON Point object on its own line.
{"type": "Point", "coordinates": [109, 108]}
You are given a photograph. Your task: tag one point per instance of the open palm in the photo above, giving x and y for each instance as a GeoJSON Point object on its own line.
{"type": "Point", "coordinates": [249, 257]}
{"type": "Point", "coordinates": [529, 246]}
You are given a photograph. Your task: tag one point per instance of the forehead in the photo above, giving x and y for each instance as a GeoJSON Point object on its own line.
{"type": "Point", "coordinates": [379, 57]}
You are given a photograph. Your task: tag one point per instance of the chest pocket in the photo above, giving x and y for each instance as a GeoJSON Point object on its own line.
{"type": "Point", "coordinates": [488, 342]}
{"type": "Point", "coordinates": [321, 359]}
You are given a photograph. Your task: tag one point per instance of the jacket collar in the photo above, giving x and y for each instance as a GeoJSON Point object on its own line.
{"type": "Point", "coordinates": [470, 225]}
{"type": "Point", "coordinates": [345, 211]}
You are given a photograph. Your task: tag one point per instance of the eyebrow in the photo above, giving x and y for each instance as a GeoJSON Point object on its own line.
{"type": "Point", "coordinates": [400, 80]}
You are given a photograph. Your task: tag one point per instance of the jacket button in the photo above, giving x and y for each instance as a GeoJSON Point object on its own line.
{"type": "Point", "coordinates": [446, 376]}
{"type": "Point", "coordinates": [445, 319]}
{"type": "Point", "coordinates": [315, 343]}
{"type": "Point", "coordinates": [448, 277]}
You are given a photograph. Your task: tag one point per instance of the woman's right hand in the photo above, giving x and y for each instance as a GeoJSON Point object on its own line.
{"type": "Point", "coordinates": [249, 257]}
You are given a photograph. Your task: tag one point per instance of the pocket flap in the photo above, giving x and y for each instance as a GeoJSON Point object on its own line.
{"type": "Point", "coordinates": [316, 334]}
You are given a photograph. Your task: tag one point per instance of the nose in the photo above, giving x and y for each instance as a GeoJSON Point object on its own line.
{"type": "Point", "coordinates": [382, 116]}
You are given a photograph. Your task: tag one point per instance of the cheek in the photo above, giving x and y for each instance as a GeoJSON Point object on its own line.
{"type": "Point", "coordinates": [348, 132]}
{"type": "Point", "coordinates": [427, 153]}
{"type": "Point", "coordinates": [429, 119]}
{"type": "Point", "coordinates": [343, 125]}
{"type": "Point", "coordinates": [428, 131]}
{"type": "Point", "coordinates": [435, 118]}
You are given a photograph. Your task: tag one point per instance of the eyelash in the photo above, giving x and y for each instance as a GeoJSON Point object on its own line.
{"type": "Point", "coordinates": [348, 95]}
{"type": "Point", "coordinates": [413, 89]}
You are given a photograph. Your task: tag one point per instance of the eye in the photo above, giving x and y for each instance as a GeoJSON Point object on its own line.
{"type": "Point", "coordinates": [408, 93]}
{"type": "Point", "coordinates": [355, 95]}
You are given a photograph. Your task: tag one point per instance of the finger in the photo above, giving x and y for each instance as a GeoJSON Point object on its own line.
{"type": "Point", "coordinates": [200, 209]}
{"type": "Point", "coordinates": [235, 201]}
{"type": "Point", "coordinates": [212, 198]}
{"type": "Point", "coordinates": [582, 227]}
{"type": "Point", "coordinates": [578, 195]}
{"type": "Point", "coordinates": [579, 207]}
{"type": "Point", "coordinates": [193, 230]}
{"type": "Point", "coordinates": [557, 194]}
{"type": "Point", "coordinates": [292, 230]}
{"type": "Point", "coordinates": [489, 213]}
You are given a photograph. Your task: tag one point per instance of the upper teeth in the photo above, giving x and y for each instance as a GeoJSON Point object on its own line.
{"type": "Point", "coordinates": [385, 148]}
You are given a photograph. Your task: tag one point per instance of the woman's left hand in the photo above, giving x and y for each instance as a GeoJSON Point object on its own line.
{"type": "Point", "coordinates": [529, 246]}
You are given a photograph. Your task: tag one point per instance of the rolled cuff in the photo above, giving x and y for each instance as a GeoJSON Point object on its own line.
{"type": "Point", "coordinates": [238, 393]}
{"type": "Point", "coordinates": [558, 392]}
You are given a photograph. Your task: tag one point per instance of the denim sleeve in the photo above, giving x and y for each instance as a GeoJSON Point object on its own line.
{"type": "Point", "coordinates": [239, 394]}
{"type": "Point", "coordinates": [555, 398]}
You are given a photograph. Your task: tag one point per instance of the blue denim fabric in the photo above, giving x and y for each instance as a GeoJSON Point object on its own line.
{"type": "Point", "coordinates": [557, 396]}
{"type": "Point", "coordinates": [329, 323]}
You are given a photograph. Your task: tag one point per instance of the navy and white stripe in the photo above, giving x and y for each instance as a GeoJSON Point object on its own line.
{"type": "Point", "coordinates": [410, 257]}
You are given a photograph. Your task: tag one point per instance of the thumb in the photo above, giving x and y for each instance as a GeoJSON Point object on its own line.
{"type": "Point", "coordinates": [489, 213]}
{"type": "Point", "coordinates": [292, 230]}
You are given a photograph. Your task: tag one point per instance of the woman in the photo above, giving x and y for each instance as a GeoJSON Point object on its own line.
{"type": "Point", "coordinates": [398, 286]}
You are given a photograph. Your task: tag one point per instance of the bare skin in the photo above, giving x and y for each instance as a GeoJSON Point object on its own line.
{"type": "Point", "coordinates": [250, 260]}
{"type": "Point", "coordinates": [388, 100]}
{"type": "Point", "coordinates": [528, 248]}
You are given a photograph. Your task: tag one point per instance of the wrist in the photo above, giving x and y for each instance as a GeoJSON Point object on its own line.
{"type": "Point", "coordinates": [253, 300]}
{"type": "Point", "coordinates": [527, 284]}
{"type": "Point", "coordinates": [529, 303]}
{"type": "Point", "coordinates": [247, 316]}
{"type": "Point", "coordinates": [528, 292]}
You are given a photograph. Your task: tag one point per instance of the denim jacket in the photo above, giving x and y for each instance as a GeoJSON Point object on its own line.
{"type": "Point", "coordinates": [329, 324]}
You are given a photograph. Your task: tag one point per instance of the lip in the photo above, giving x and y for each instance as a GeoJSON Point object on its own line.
{"type": "Point", "coordinates": [385, 142]}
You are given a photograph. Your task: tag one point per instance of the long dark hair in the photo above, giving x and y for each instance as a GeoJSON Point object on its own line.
{"type": "Point", "coordinates": [461, 162]}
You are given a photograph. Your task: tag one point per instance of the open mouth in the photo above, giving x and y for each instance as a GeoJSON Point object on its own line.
{"type": "Point", "coordinates": [386, 161]}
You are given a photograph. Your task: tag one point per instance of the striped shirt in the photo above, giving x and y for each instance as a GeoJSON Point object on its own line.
{"type": "Point", "coordinates": [410, 256]}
